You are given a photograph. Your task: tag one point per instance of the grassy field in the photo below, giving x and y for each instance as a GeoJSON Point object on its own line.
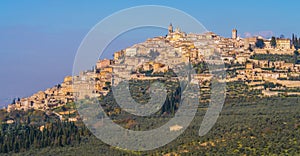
{"type": "Point", "coordinates": [252, 127]}
{"type": "Point", "coordinates": [247, 125]}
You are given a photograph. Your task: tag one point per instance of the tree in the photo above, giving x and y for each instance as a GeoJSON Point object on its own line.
{"type": "Point", "coordinates": [250, 48]}
{"type": "Point", "coordinates": [58, 86]}
{"type": "Point", "coordinates": [27, 143]}
{"type": "Point", "coordinates": [63, 108]}
{"type": "Point", "coordinates": [296, 43]}
{"type": "Point", "coordinates": [273, 42]}
{"type": "Point", "coordinates": [107, 84]}
{"type": "Point", "coordinates": [16, 146]}
{"type": "Point", "coordinates": [5, 148]}
{"type": "Point", "coordinates": [260, 43]}
{"type": "Point", "coordinates": [296, 54]}
{"type": "Point", "coordinates": [14, 101]}
{"type": "Point", "coordinates": [28, 120]}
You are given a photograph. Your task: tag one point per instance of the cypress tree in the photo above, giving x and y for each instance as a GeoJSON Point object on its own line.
{"type": "Point", "coordinates": [17, 146]}
{"type": "Point", "coordinates": [273, 42]}
{"type": "Point", "coordinates": [5, 148]}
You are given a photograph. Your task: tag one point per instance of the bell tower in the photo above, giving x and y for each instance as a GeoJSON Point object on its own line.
{"type": "Point", "coordinates": [170, 28]}
{"type": "Point", "coordinates": [234, 34]}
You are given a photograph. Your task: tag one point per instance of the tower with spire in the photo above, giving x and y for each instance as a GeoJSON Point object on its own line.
{"type": "Point", "coordinates": [170, 28]}
{"type": "Point", "coordinates": [234, 34]}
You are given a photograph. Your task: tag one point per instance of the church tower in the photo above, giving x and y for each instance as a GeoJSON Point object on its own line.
{"type": "Point", "coordinates": [234, 34]}
{"type": "Point", "coordinates": [170, 28]}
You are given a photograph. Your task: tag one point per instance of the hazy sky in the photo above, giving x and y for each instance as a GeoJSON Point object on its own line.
{"type": "Point", "coordinates": [39, 39]}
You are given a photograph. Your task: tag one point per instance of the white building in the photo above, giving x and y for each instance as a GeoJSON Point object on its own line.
{"type": "Point", "coordinates": [131, 52]}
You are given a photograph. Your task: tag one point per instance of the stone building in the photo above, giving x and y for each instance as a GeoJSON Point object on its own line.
{"type": "Point", "coordinates": [103, 63]}
{"type": "Point", "coordinates": [283, 43]}
{"type": "Point", "coordinates": [170, 28]}
{"type": "Point", "coordinates": [234, 34]}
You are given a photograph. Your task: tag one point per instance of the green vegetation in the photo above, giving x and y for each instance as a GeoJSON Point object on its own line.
{"type": "Point", "coordinates": [21, 137]}
{"type": "Point", "coordinates": [296, 42]}
{"type": "Point", "coordinates": [274, 57]}
{"type": "Point", "coordinates": [260, 43]}
{"type": "Point", "coordinates": [248, 124]}
{"type": "Point", "coordinates": [67, 107]}
{"type": "Point", "coordinates": [253, 127]}
{"type": "Point", "coordinates": [296, 55]}
{"type": "Point", "coordinates": [273, 42]}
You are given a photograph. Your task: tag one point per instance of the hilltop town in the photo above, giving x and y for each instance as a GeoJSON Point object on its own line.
{"type": "Point", "coordinates": [269, 66]}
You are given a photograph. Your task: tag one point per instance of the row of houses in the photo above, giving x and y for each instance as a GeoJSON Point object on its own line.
{"type": "Point", "coordinates": [160, 54]}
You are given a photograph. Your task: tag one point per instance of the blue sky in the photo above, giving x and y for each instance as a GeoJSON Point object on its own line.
{"type": "Point", "coordinates": [39, 39]}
